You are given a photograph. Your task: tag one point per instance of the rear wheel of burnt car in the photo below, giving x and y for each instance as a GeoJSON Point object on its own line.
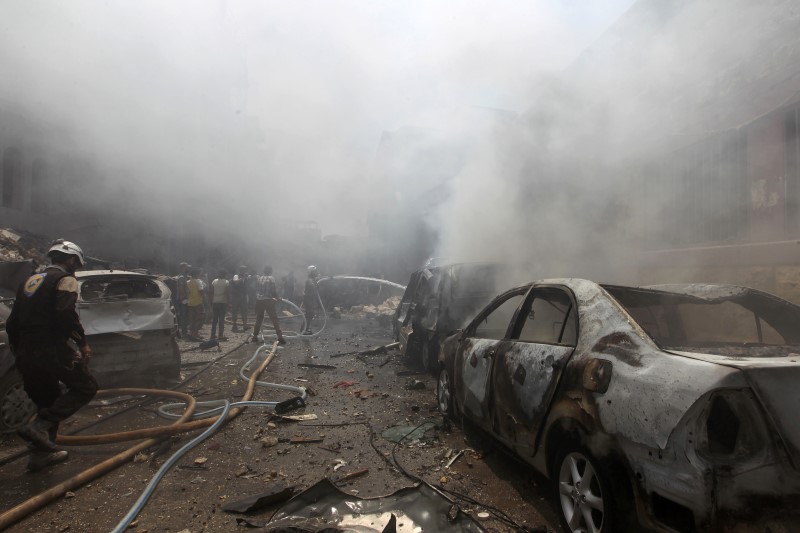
{"type": "Point", "coordinates": [444, 396]}
{"type": "Point", "coordinates": [15, 405]}
{"type": "Point", "coordinates": [584, 493]}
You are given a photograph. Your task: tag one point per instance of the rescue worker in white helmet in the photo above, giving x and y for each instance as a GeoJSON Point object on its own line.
{"type": "Point", "coordinates": [44, 331]}
{"type": "Point", "coordinates": [310, 297]}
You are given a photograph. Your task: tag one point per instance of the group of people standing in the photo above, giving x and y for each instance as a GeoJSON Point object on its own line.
{"type": "Point", "coordinates": [196, 298]}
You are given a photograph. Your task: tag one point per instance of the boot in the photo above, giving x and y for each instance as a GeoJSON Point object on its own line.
{"type": "Point", "coordinates": [40, 459]}
{"type": "Point", "coordinates": [37, 432]}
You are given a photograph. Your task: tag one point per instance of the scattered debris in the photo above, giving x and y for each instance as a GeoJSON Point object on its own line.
{"type": "Point", "coordinates": [314, 365]}
{"type": "Point", "coordinates": [247, 522]}
{"type": "Point", "coordinates": [69, 494]}
{"type": "Point", "coordinates": [403, 373]}
{"type": "Point", "coordinates": [351, 475]}
{"type": "Point", "coordinates": [415, 384]}
{"type": "Point", "coordinates": [200, 460]}
{"type": "Point", "coordinates": [339, 463]}
{"type": "Point", "coordinates": [324, 504]}
{"type": "Point", "coordinates": [276, 493]}
{"type": "Point", "coordinates": [344, 384]}
{"type": "Point", "coordinates": [297, 418]}
{"type": "Point", "coordinates": [454, 459]}
{"type": "Point", "coordinates": [407, 433]}
{"type": "Point", "coordinates": [289, 405]}
{"type": "Point", "coordinates": [305, 440]}
{"type": "Point", "coordinates": [268, 442]}
{"type": "Point", "coordinates": [374, 351]}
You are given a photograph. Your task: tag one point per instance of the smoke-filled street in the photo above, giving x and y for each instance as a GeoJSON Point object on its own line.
{"type": "Point", "coordinates": [355, 400]}
{"type": "Point", "coordinates": [400, 266]}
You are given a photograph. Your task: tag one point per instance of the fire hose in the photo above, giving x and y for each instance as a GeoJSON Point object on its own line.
{"type": "Point", "coordinates": [183, 423]}
{"type": "Point", "coordinates": [295, 334]}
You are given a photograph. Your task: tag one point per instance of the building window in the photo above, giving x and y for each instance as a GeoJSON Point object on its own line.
{"type": "Point", "coordinates": [12, 178]}
{"type": "Point", "coordinates": [40, 184]}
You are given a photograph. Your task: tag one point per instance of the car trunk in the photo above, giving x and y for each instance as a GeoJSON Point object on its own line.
{"type": "Point", "coordinates": [136, 359]}
{"type": "Point", "coordinates": [774, 381]}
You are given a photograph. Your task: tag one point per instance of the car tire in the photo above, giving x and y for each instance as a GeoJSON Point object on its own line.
{"type": "Point", "coordinates": [15, 405]}
{"type": "Point", "coordinates": [584, 492]}
{"type": "Point", "coordinates": [444, 393]}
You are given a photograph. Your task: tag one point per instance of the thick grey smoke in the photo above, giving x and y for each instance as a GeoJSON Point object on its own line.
{"type": "Point", "coordinates": [600, 166]}
{"type": "Point", "coordinates": [251, 112]}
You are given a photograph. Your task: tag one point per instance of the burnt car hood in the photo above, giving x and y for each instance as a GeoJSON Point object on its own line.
{"type": "Point", "coordinates": [774, 381]}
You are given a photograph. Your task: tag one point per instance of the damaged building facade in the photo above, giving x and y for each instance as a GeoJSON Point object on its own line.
{"type": "Point", "coordinates": [709, 150]}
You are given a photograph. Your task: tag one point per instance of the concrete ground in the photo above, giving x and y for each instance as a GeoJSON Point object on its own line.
{"type": "Point", "coordinates": [354, 403]}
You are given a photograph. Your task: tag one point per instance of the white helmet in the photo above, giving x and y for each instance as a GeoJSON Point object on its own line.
{"type": "Point", "coordinates": [312, 270]}
{"type": "Point", "coordinates": [67, 248]}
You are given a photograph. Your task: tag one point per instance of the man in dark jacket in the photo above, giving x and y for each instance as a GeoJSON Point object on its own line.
{"type": "Point", "coordinates": [310, 298]}
{"type": "Point", "coordinates": [49, 346]}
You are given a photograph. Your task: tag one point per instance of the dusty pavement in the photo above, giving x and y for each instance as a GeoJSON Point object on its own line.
{"type": "Point", "coordinates": [253, 451]}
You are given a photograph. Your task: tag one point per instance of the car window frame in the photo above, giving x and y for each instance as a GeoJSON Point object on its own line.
{"type": "Point", "coordinates": [524, 309]}
{"type": "Point", "coordinates": [494, 304]}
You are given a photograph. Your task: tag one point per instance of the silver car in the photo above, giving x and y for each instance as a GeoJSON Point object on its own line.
{"type": "Point", "coordinates": [668, 408]}
{"type": "Point", "coordinates": [130, 325]}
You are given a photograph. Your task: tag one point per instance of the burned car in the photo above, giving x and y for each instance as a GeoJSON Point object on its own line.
{"type": "Point", "coordinates": [439, 300]}
{"type": "Point", "coordinates": [15, 406]}
{"type": "Point", "coordinates": [130, 325]}
{"type": "Point", "coordinates": [669, 408]}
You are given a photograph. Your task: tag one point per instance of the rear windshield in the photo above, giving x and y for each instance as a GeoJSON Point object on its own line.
{"type": "Point", "coordinates": [746, 323]}
{"type": "Point", "coordinates": [119, 288]}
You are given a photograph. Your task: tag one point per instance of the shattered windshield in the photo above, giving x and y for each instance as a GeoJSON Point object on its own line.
{"type": "Point", "coordinates": [748, 323]}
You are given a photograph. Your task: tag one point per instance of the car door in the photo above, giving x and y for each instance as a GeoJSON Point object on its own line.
{"type": "Point", "coordinates": [481, 341]}
{"type": "Point", "coordinates": [527, 373]}
{"type": "Point", "coordinates": [402, 315]}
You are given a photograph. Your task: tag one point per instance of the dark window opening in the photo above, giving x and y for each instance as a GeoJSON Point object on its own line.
{"type": "Point", "coordinates": [722, 428]}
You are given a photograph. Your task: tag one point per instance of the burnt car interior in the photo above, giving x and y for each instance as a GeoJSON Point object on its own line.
{"type": "Point", "coordinates": [743, 323]}
{"type": "Point", "coordinates": [116, 288]}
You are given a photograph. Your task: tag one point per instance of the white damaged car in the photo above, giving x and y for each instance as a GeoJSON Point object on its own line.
{"type": "Point", "coordinates": [671, 408]}
{"type": "Point", "coordinates": [130, 325]}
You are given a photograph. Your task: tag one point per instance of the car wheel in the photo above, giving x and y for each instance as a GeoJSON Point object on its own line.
{"type": "Point", "coordinates": [15, 405]}
{"type": "Point", "coordinates": [583, 493]}
{"type": "Point", "coordinates": [444, 393]}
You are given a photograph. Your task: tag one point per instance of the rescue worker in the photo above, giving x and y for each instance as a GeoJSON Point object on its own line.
{"type": "Point", "coordinates": [310, 297]}
{"type": "Point", "coordinates": [239, 299]}
{"type": "Point", "coordinates": [50, 346]}
{"type": "Point", "coordinates": [266, 301]}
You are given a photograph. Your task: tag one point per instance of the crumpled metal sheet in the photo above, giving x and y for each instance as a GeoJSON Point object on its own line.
{"type": "Point", "coordinates": [415, 509]}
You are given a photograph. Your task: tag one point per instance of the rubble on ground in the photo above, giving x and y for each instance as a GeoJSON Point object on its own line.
{"type": "Point", "coordinates": [382, 313]}
{"type": "Point", "coordinates": [18, 245]}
